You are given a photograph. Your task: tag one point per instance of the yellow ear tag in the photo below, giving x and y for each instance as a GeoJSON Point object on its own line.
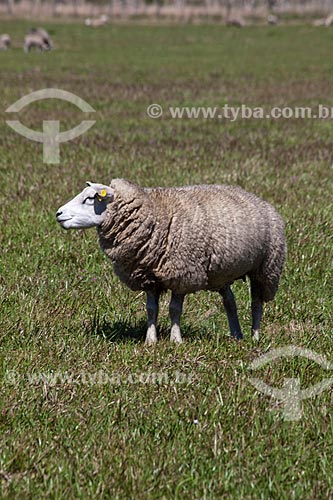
{"type": "Point", "coordinates": [101, 195]}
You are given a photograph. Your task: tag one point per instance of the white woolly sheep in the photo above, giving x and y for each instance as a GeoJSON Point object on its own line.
{"type": "Point", "coordinates": [272, 19]}
{"type": "Point", "coordinates": [237, 22]}
{"type": "Point", "coordinates": [184, 240]}
{"type": "Point", "coordinates": [37, 38]}
{"type": "Point", "coordinates": [4, 41]}
{"type": "Point", "coordinates": [329, 20]}
{"type": "Point", "coordinates": [96, 23]}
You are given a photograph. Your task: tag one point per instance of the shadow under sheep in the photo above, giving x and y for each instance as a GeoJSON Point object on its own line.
{"type": "Point", "coordinates": [125, 331]}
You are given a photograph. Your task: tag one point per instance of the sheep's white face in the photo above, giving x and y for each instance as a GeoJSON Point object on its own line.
{"type": "Point", "coordinates": [87, 209]}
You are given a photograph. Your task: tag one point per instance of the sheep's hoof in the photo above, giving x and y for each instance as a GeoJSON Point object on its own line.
{"type": "Point", "coordinates": [151, 337]}
{"type": "Point", "coordinates": [255, 335]}
{"type": "Point", "coordinates": [176, 339]}
{"type": "Point", "coordinates": [237, 336]}
{"type": "Point", "coordinates": [150, 341]}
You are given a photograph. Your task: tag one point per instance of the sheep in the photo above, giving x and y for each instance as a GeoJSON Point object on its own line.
{"type": "Point", "coordinates": [185, 240]}
{"type": "Point", "coordinates": [96, 23]}
{"type": "Point", "coordinates": [39, 39]}
{"type": "Point", "coordinates": [272, 19]}
{"type": "Point", "coordinates": [236, 22]}
{"type": "Point", "coordinates": [43, 33]}
{"type": "Point", "coordinates": [4, 41]}
{"type": "Point", "coordinates": [329, 21]}
{"type": "Point", "coordinates": [319, 22]}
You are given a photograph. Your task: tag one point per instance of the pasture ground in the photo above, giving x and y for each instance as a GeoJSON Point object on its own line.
{"type": "Point", "coordinates": [87, 410]}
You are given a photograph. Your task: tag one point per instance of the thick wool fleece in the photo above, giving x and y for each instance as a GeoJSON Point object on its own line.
{"type": "Point", "coordinates": [192, 238]}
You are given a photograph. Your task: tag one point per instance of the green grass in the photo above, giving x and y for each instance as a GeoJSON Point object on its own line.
{"type": "Point", "coordinates": [142, 433]}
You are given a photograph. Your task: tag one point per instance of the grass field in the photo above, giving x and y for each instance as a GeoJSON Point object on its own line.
{"type": "Point", "coordinates": [87, 410]}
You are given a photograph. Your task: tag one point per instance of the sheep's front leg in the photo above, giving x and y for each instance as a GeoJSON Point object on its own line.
{"type": "Point", "coordinates": [152, 313]}
{"type": "Point", "coordinates": [256, 307]}
{"type": "Point", "coordinates": [231, 310]}
{"type": "Point", "coordinates": [175, 310]}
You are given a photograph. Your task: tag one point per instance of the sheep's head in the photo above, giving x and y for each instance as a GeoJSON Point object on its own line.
{"type": "Point", "coordinates": [87, 209]}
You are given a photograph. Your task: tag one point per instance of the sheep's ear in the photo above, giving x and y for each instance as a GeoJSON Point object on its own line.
{"type": "Point", "coordinates": [105, 193]}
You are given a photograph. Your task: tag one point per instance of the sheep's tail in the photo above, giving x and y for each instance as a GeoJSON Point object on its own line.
{"type": "Point", "coordinates": [269, 274]}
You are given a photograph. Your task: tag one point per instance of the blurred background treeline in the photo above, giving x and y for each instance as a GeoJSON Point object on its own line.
{"type": "Point", "coordinates": [249, 11]}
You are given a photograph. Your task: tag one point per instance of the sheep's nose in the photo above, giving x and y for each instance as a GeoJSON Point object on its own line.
{"type": "Point", "coordinates": [59, 213]}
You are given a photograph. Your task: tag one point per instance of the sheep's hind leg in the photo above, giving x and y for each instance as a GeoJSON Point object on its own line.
{"type": "Point", "coordinates": [256, 307]}
{"type": "Point", "coordinates": [152, 313]}
{"type": "Point", "coordinates": [175, 310]}
{"type": "Point", "coordinates": [231, 310]}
